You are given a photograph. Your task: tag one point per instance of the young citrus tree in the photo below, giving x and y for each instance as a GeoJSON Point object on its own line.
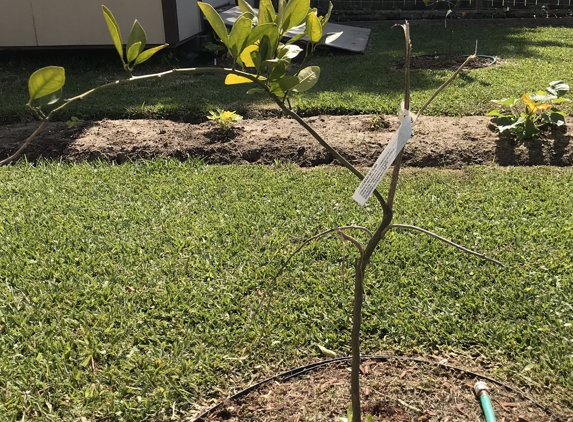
{"type": "Point", "coordinates": [262, 59]}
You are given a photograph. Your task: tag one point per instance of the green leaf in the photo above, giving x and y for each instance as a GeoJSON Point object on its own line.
{"type": "Point", "coordinates": [313, 28]}
{"type": "Point", "coordinates": [246, 7]}
{"type": "Point", "coordinates": [324, 20]}
{"type": "Point", "coordinates": [133, 52]}
{"type": "Point", "coordinates": [271, 30]}
{"type": "Point", "coordinates": [238, 37]}
{"type": "Point", "coordinates": [560, 100]}
{"type": "Point", "coordinates": [497, 113]}
{"type": "Point", "coordinates": [558, 87]}
{"type": "Point", "coordinates": [46, 81]}
{"type": "Point", "coordinates": [542, 97]}
{"type": "Point", "coordinates": [288, 82]}
{"type": "Point", "coordinates": [557, 118]}
{"type": "Point", "coordinates": [295, 12]}
{"type": "Point", "coordinates": [509, 102]}
{"type": "Point", "coordinates": [265, 48]}
{"type": "Point", "coordinates": [136, 35]}
{"type": "Point", "coordinates": [114, 31]}
{"type": "Point", "coordinates": [147, 54]}
{"type": "Point", "coordinates": [530, 129]}
{"type": "Point", "coordinates": [308, 78]}
{"type": "Point", "coordinates": [215, 21]}
{"type": "Point", "coordinates": [288, 52]}
{"type": "Point", "coordinates": [256, 91]}
{"type": "Point", "coordinates": [278, 71]}
{"type": "Point", "coordinates": [281, 11]}
{"type": "Point", "coordinates": [50, 98]}
{"type": "Point", "coordinates": [296, 38]}
{"type": "Point", "coordinates": [266, 12]}
{"type": "Point", "coordinates": [330, 37]}
{"type": "Point", "coordinates": [511, 127]}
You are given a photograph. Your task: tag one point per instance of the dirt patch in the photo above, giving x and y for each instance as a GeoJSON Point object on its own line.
{"type": "Point", "coordinates": [447, 62]}
{"type": "Point", "coordinates": [437, 141]}
{"type": "Point", "coordinates": [392, 390]}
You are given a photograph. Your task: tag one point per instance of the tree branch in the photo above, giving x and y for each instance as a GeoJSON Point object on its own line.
{"type": "Point", "coordinates": [337, 230]}
{"type": "Point", "coordinates": [449, 242]}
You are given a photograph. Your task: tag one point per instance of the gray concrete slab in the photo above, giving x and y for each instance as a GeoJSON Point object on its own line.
{"type": "Point", "coordinates": [352, 39]}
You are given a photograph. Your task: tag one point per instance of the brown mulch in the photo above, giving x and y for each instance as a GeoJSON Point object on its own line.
{"type": "Point", "coordinates": [393, 391]}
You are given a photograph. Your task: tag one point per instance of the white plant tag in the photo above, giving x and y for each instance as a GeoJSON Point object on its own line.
{"type": "Point", "coordinates": [384, 161]}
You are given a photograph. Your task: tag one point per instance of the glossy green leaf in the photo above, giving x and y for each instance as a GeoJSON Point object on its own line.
{"type": "Point", "coordinates": [257, 59]}
{"type": "Point", "coordinates": [330, 37]}
{"type": "Point", "coordinates": [114, 31]}
{"type": "Point", "coordinates": [136, 35]}
{"type": "Point", "coordinates": [313, 28]}
{"type": "Point", "coordinates": [288, 82]}
{"type": "Point", "coordinates": [276, 89]}
{"type": "Point", "coordinates": [46, 81]}
{"type": "Point", "coordinates": [238, 37]}
{"type": "Point", "coordinates": [246, 7]}
{"type": "Point", "coordinates": [265, 48]}
{"type": "Point", "coordinates": [295, 38]}
{"type": "Point", "coordinates": [308, 78]}
{"type": "Point", "coordinates": [266, 12]}
{"type": "Point", "coordinates": [49, 99]}
{"type": "Point", "coordinates": [288, 52]}
{"type": "Point", "coordinates": [147, 54]}
{"type": "Point", "coordinates": [133, 52]}
{"type": "Point", "coordinates": [277, 71]}
{"type": "Point", "coordinates": [324, 20]}
{"type": "Point", "coordinates": [270, 30]}
{"type": "Point", "coordinates": [215, 21]}
{"type": "Point", "coordinates": [295, 13]}
{"type": "Point", "coordinates": [281, 11]}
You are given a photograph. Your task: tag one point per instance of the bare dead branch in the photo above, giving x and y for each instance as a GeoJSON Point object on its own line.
{"type": "Point", "coordinates": [443, 239]}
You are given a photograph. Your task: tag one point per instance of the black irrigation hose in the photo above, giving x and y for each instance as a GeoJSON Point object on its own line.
{"type": "Point", "coordinates": [380, 358]}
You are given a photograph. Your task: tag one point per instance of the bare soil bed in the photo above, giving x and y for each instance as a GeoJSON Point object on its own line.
{"type": "Point", "coordinates": [438, 141]}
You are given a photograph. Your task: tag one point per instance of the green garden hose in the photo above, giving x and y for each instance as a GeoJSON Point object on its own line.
{"type": "Point", "coordinates": [481, 392]}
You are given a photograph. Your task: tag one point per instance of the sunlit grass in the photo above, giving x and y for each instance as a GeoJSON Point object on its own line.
{"type": "Point", "coordinates": [129, 292]}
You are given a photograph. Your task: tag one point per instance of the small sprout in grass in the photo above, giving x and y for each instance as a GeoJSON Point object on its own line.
{"type": "Point", "coordinates": [524, 117]}
{"type": "Point", "coordinates": [224, 118]}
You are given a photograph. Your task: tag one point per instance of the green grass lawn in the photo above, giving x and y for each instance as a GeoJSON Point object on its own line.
{"type": "Point", "coordinates": [349, 84]}
{"type": "Point", "coordinates": [129, 292]}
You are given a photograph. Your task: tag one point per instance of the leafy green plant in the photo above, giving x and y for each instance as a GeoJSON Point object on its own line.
{"type": "Point", "coordinates": [224, 118]}
{"type": "Point", "coordinates": [524, 117]}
